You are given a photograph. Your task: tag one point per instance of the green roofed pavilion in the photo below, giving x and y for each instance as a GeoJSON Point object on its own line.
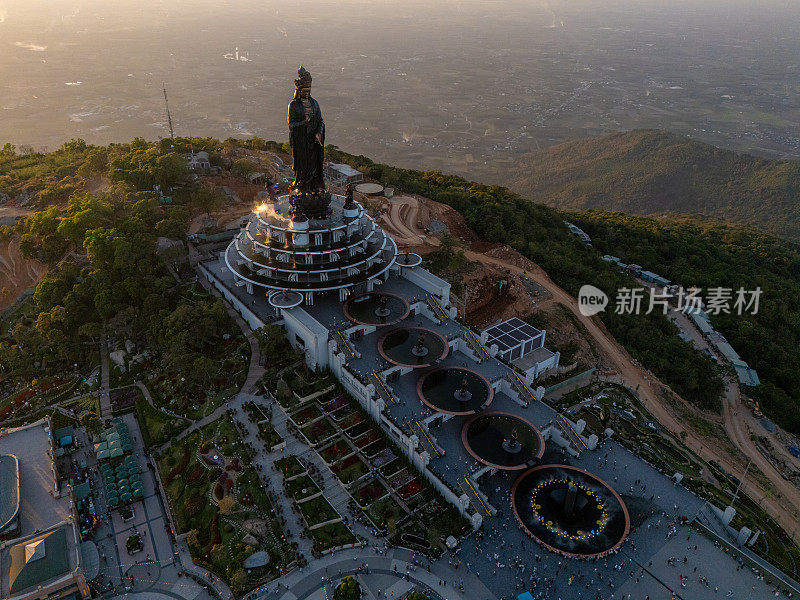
{"type": "Point", "coordinates": [38, 560]}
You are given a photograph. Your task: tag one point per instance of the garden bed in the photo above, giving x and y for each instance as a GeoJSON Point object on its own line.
{"type": "Point", "coordinates": [290, 466]}
{"type": "Point", "coordinates": [385, 513]}
{"type": "Point", "coordinates": [318, 432]}
{"type": "Point", "coordinates": [301, 487]}
{"type": "Point", "coordinates": [335, 450]}
{"type": "Point", "coordinates": [332, 535]}
{"type": "Point", "coordinates": [350, 469]}
{"type": "Point", "coordinates": [317, 510]}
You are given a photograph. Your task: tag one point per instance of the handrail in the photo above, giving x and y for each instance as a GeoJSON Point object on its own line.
{"type": "Point", "coordinates": [471, 337]}
{"type": "Point", "coordinates": [346, 344]}
{"type": "Point", "coordinates": [525, 387]}
{"type": "Point", "coordinates": [428, 437]}
{"type": "Point", "coordinates": [575, 433]}
{"type": "Point", "coordinates": [389, 396]}
{"type": "Point", "coordinates": [477, 495]}
{"type": "Point", "coordinates": [436, 307]}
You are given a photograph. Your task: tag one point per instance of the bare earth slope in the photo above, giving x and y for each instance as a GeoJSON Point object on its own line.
{"type": "Point", "coordinates": [651, 172]}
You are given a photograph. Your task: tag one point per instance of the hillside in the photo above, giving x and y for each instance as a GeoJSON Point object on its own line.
{"type": "Point", "coordinates": [691, 252]}
{"type": "Point", "coordinates": [650, 172]}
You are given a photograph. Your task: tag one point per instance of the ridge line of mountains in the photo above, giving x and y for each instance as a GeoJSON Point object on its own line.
{"type": "Point", "coordinates": [655, 172]}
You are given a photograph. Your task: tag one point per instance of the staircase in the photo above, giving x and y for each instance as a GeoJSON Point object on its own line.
{"type": "Point", "coordinates": [480, 351]}
{"type": "Point", "coordinates": [437, 309]}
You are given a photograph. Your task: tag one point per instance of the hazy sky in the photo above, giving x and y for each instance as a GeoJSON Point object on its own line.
{"type": "Point", "coordinates": [411, 81]}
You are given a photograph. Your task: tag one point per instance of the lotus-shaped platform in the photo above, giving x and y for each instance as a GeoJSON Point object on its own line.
{"type": "Point", "coordinates": [570, 511]}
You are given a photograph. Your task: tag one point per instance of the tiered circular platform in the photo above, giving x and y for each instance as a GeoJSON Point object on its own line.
{"type": "Point", "coordinates": [454, 391]}
{"type": "Point", "coordinates": [502, 440]}
{"type": "Point", "coordinates": [570, 511]}
{"type": "Point", "coordinates": [311, 255]}
{"type": "Point", "coordinates": [376, 308]}
{"type": "Point", "coordinates": [414, 347]}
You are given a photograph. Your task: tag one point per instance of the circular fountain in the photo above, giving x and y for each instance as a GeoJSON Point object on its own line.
{"type": "Point", "coordinates": [502, 440]}
{"type": "Point", "coordinates": [454, 391]}
{"type": "Point", "coordinates": [376, 308]}
{"type": "Point", "coordinates": [413, 347]}
{"type": "Point", "coordinates": [570, 511]}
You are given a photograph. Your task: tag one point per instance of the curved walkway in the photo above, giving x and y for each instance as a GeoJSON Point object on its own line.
{"type": "Point", "coordinates": [399, 570]}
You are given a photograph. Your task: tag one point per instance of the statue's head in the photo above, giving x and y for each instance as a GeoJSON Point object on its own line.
{"type": "Point", "coordinates": [302, 84]}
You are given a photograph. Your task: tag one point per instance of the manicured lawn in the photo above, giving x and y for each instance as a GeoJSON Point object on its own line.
{"type": "Point", "coordinates": [331, 536]}
{"type": "Point", "coordinates": [350, 469]}
{"type": "Point", "coordinates": [301, 487]}
{"type": "Point", "coordinates": [317, 510]}
{"type": "Point", "coordinates": [290, 466]}
{"type": "Point", "coordinates": [157, 428]}
{"type": "Point", "coordinates": [385, 512]}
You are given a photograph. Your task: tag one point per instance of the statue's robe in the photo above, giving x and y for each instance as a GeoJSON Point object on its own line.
{"type": "Point", "coordinates": [307, 154]}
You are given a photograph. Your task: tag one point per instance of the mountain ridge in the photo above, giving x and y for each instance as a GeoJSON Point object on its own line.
{"type": "Point", "coordinates": [655, 172]}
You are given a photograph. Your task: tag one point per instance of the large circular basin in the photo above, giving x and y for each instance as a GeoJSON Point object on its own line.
{"type": "Point", "coordinates": [454, 391]}
{"type": "Point", "coordinates": [570, 511]}
{"type": "Point", "coordinates": [413, 347]}
{"type": "Point", "coordinates": [376, 308]}
{"type": "Point", "coordinates": [502, 440]}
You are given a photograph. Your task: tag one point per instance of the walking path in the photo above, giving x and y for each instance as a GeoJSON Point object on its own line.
{"type": "Point", "coordinates": [392, 565]}
{"type": "Point", "coordinates": [265, 465]}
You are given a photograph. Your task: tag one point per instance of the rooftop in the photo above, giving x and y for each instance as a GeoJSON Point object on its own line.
{"type": "Point", "coordinates": [9, 492]}
{"type": "Point", "coordinates": [38, 559]}
{"type": "Point", "coordinates": [38, 508]}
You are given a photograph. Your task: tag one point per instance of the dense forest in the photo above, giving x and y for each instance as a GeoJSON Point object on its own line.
{"type": "Point", "coordinates": [538, 232]}
{"type": "Point", "coordinates": [648, 172]}
{"type": "Point", "coordinates": [105, 275]}
{"type": "Point", "coordinates": [712, 254]}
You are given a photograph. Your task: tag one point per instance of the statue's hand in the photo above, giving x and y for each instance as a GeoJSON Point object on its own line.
{"type": "Point", "coordinates": [319, 138]}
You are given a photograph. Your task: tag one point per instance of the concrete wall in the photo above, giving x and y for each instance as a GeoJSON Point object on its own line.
{"type": "Point", "coordinates": [430, 283]}
{"type": "Point", "coordinates": [315, 342]}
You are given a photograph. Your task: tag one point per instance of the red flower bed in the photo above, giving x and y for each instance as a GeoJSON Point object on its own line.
{"type": "Point", "coordinates": [350, 460]}
{"type": "Point", "coordinates": [412, 488]}
{"type": "Point", "coordinates": [337, 402]}
{"type": "Point", "coordinates": [319, 429]}
{"type": "Point", "coordinates": [366, 439]}
{"type": "Point", "coordinates": [23, 397]}
{"type": "Point", "coordinates": [371, 492]}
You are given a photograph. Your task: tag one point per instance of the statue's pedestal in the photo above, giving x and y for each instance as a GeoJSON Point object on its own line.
{"type": "Point", "coordinates": [312, 205]}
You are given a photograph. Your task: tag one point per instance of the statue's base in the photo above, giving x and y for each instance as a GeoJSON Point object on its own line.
{"type": "Point", "coordinates": [310, 205]}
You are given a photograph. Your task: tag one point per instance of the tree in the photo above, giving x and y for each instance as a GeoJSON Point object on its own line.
{"type": "Point", "coordinates": [193, 538]}
{"type": "Point", "coordinates": [226, 505]}
{"type": "Point", "coordinates": [206, 198]}
{"type": "Point", "coordinates": [348, 589]}
{"type": "Point", "coordinates": [242, 167]}
{"type": "Point", "coordinates": [239, 580]}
